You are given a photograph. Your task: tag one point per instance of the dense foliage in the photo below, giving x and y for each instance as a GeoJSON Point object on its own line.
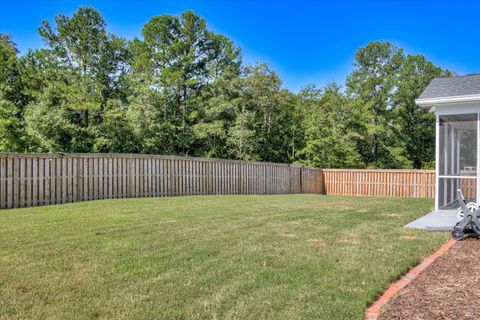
{"type": "Point", "coordinates": [183, 89]}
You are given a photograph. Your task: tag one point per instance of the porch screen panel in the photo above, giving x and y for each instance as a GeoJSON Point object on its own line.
{"type": "Point", "coordinates": [458, 158]}
{"type": "Point", "coordinates": [458, 145]}
{"type": "Point", "coordinates": [447, 197]}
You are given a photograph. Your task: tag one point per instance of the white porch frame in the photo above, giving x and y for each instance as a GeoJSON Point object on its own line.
{"type": "Point", "coordinates": [464, 108]}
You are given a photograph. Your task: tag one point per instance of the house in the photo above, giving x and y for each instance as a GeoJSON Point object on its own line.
{"type": "Point", "coordinates": [456, 104]}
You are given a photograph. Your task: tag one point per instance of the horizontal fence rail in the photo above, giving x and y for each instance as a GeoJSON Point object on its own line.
{"type": "Point", "coordinates": [42, 179]}
{"type": "Point", "coordinates": [383, 183]}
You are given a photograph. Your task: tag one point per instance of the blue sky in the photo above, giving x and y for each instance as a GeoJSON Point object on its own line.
{"type": "Point", "coordinates": [305, 41]}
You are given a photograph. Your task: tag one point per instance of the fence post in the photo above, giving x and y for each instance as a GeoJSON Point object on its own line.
{"type": "Point", "coordinates": [240, 178]}
{"type": "Point", "coordinates": [290, 179]}
{"type": "Point", "coordinates": [78, 180]}
{"type": "Point", "coordinates": [301, 179]}
{"type": "Point", "coordinates": [414, 186]}
{"type": "Point", "coordinates": [264, 179]}
{"type": "Point", "coordinates": [129, 178]}
{"type": "Point", "coordinates": [10, 201]}
{"type": "Point", "coordinates": [209, 178]}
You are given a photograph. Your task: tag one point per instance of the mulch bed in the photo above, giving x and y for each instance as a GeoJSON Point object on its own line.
{"type": "Point", "coordinates": [448, 289]}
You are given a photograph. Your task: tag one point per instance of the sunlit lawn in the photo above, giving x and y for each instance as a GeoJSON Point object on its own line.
{"type": "Point", "coordinates": [207, 257]}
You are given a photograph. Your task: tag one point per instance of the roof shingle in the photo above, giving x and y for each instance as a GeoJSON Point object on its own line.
{"type": "Point", "coordinates": [452, 87]}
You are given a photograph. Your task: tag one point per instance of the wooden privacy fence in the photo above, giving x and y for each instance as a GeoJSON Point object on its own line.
{"type": "Point", "coordinates": [385, 183]}
{"type": "Point", "coordinates": [41, 179]}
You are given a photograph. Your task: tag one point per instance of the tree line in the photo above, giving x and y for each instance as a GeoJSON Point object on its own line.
{"type": "Point", "coordinates": [182, 89]}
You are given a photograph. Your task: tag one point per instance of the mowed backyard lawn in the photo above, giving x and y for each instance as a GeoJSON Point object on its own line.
{"type": "Point", "coordinates": [207, 257]}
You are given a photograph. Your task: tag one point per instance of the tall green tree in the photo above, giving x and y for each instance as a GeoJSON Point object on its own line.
{"type": "Point", "coordinates": [242, 140]}
{"type": "Point", "coordinates": [12, 100]}
{"type": "Point", "coordinates": [217, 115]}
{"type": "Point", "coordinates": [269, 110]}
{"type": "Point", "coordinates": [89, 65]}
{"type": "Point", "coordinates": [151, 119]}
{"type": "Point", "coordinates": [371, 86]}
{"type": "Point", "coordinates": [328, 139]}
{"type": "Point", "coordinates": [82, 42]}
{"type": "Point", "coordinates": [115, 133]}
{"type": "Point", "coordinates": [416, 125]}
{"type": "Point", "coordinates": [179, 57]}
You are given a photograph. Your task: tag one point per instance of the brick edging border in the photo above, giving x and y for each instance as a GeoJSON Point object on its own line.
{"type": "Point", "coordinates": [373, 311]}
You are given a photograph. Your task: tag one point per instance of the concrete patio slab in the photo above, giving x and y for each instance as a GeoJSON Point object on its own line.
{"type": "Point", "coordinates": [441, 220]}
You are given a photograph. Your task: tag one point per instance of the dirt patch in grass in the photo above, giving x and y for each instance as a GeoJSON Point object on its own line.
{"type": "Point", "coordinates": [448, 289]}
{"type": "Point", "coordinates": [315, 241]}
{"type": "Point", "coordinates": [408, 237]}
{"type": "Point", "coordinates": [289, 235]}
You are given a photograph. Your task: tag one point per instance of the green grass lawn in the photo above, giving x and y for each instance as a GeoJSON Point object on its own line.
{"type": "Point", "coordinates": [207, 257]}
